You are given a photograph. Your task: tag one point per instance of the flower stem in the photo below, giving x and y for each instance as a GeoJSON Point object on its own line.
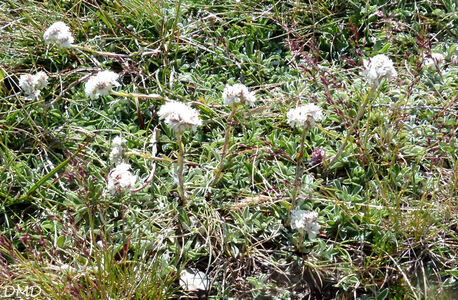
{"type": "Point", "coordinates": [300, 240]}
{"type": "Point", "coordinates": [123, 219]}
{"type": "Point", "coordinates": [227, 137]}
{"type": "Point", "coordinates": [355, 123]}
{"type": "Point", "coordinates": [180, 168]}
{"type": "Point", "coordinates": [299, 170]}
{"type": "Point", "coordinates": [153, 156]}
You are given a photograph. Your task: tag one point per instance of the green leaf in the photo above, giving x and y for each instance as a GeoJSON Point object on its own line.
{"type": "Point", "coordinates": [383, 294]}
{"type": "Point", "coordinates": [385, 48]}
{"type": "Point", "coordinates": [49, 175]}
{"type": "Point", "coordinates": [61, 241]}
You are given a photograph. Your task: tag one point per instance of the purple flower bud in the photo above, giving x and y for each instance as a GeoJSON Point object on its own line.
{"type": "Point", "coordinates": [317, 156]}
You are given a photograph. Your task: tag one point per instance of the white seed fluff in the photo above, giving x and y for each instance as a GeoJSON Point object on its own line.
{"type": "Point", "coordinates": [27, 84]}
{"type": "Point", "coordinates": [121, 179]}
{"type": "Point", "coordinates": [117, 152]}
{"type": "Point", "coordinates": [60, 34]}
{"type": "Point", "coordinates": [179, 116]}
{"type": "Point", "coordinates": [378, 68]}
{"type": "Point", "coordinates": [101, 84]}
{"type": "Point", "coordinates": [41, 80]}
{"type": "Point", "coordinates": [305, 221]}
{"type": "Point", "coordinates": [32, 84]}
{"type": "Point", "coordinates": [237, 93]}
{"type": "Point", "coordinates": [304, 116]}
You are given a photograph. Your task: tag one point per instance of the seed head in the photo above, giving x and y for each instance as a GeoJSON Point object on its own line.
{"type": "Point", "coordinates": [101, 84]}
{"type": "Point", "coordinates": [60, 34]}
{"type": "Point", "coordinates": [179, 116]}
{"type": "Point", "coordinates": [303, 220]}
{"type": "Point", "coordinates": [304, 116]}
{"type": "Point", "coordinates": [378, 68]}
{"type": "Point", "coordinates": [237, 93]}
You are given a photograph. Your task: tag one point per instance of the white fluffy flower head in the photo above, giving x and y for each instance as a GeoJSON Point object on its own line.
{"type": "Point", "coordinates": [101, 84]}
{"type": "Point", "coordinates": [237, 93]}
{"type": "Point", "coordinates": [32, 84]}
{"type": "Point", "coordinates": [119, 141]}
{"type": "Point", "coordinates": [378, 68]}
{"type": "Point", "coordinates": [435, 58]}
{"type": "Point", "coordinates": [41, 80]}
{"type": "Point", "coordinates": [121, 179]}
{"type": "Point", "coordinates": [27, 84]}
{"type": "Point", "coordinates": [117, 152]}
{"type": "Point", "coordinates": [303, 220]}
{"type": "Point", "coordinates": [304, 116]}
{"type": "Point", "coordinates": [60, 34]}
{"type": "Point", "coordinates": [179, 116]}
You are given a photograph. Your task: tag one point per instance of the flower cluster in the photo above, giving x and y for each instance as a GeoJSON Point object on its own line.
{"type": "Point", "coordinates": [317, 156]}
{"type": "Point", "coordinates": [101, 84]}
{"type": "Point", "coordinates": [304, 116]}
{"type": "Point", "coordinates": [121, 179]}
{"type": "Point", "coordinates": [378, 68]}
{"type": "Point", "coordinates": [117, 153]}
{"type": "Point", "coordinates": [430, 61]}
{"type": "Point", "coordinates": [237, 93]}
{"type": "Point", "coordinates": [32, 84]}
{"type": "Point", "coordinates": [303, 220]}
{"type": "Point", "coordinates": [179, 116]}
{"type": "Point", "coordinates": [60, 34]}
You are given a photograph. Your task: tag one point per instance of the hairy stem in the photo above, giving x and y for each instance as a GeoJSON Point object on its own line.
{"type": "Point", "coordinates": [153, 156]}
{"type": "Point", "coordinates": [300, 240]}
{"type": "Point", "coordinates": [299, 170]}
{"type": "Point", "coordinates": [180, 168]}
{"type": "Point", "coordinates": [227, 137]}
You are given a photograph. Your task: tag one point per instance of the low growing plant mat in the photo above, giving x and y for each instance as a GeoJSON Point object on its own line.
{"type": "Point", "coordinates": [205, 149]}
